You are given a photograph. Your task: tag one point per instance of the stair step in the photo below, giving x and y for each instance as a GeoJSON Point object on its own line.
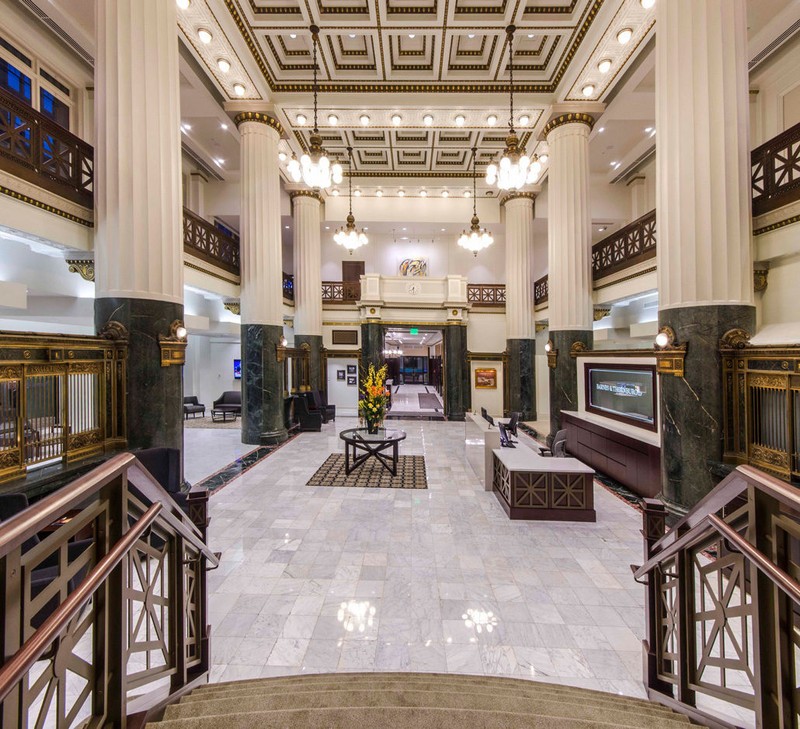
{"type": "Point", "coordinates": [622, 716]}
{"type": "Point", "coordinates": [386, 718]}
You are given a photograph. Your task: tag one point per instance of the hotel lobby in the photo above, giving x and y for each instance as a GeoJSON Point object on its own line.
{"type": "Point", "coordinates": [400, 362]}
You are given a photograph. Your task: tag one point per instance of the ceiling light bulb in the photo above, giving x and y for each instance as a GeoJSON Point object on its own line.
{"type": "Point", "coordinates": [352, 35]}
{"type": "Point", "coordinates": [471, 35]}
{"type": "Point", "coordinates": [548, 347]}
{"type": "Point", "coordinates": [223, 126]}
{"type": "Point", "coordinates": [423, 193]}
{"type": "Point", "coordinates": [379, 194]}
{"type": "Point", "coordinates": [662, 339]}
{"type": "Point", "coordinates": [411, 35]}
{"type": "Point", "coordinates": [543, 158]}
{"type": "Point", "coordinates": [588, 90]}
{"type": "Point", "coordinates": [301, 119]}
{"type": "Point", "coordinates": [186, 126]}
{"type": "Point", "coordinates": [647, 130]}
{"type": "Point", "coordinates": [364, 119]}
{"type": "Point", "coordinates": [524, 120]}
{"type": "Point", "coordinates": [333, 120]}
{"type": "Point", "coordinates": [293, 35]}
{"type": "Point", "coordinates": [401, 193]}
{"type": "Point", "coordinates": [647, 4]}
{"type": "Point", "coordinates": [604, 66]}
{"type": "Point", "coordinates": [204, 36]}
{"type": "Point", "coordinates": [491, 120]}
{"type": "Point", "coordinates": [467, 193]}
{"type": "Point", "coordinates": [601, 130]}
{"type": "Point", "coordinates": [530, 35]}
{"type": "Point", "coordinates": [282, 156]}
{"type": "Point", "coordinates": [445, 193]}
{"type": "Point", "coordinates": [238, 89]}
{"type": "Point", "coordinates": [396, 119]}
{"type": "Point", "coordinates": [335, 193]}
{"type": "Point", "coordinates": [427, 120]}
{"type": "Point", "coordinates": [460, 120]}
{"type": "Point", "coordinates": [357, 193]}
{"type": "Point", "coordinates": [624, 36]}
{"type": "Point", "coordinates": [183, 4]}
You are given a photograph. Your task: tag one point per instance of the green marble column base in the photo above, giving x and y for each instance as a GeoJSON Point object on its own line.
{"type": "Point", "coordinates": [522, 377]}
{"type": "Point", "coordinates": [690, 409]}
{"type": "Point", "coordinates": [262, 385]}
{"type": "Point", "coordinates": [564, 378]}
{"type": "Point", "coordinates": [316, 377]}
{"type": "Point", "coordinates": [457, 392]}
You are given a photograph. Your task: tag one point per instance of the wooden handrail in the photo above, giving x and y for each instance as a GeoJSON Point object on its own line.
{"type": "Point", "coordinates": [14, 670]}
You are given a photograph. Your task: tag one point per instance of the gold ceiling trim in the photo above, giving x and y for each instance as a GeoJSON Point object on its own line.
{"type": "Point", "coordinates": [44, 206]}
{"type": "Point", "coordinates": [776, 226]}
{"type": "Point", "coordinates": [631, 276]}
{"type": "Point", "coordinates": [261, 118]}
{"type": "Point", "coordinates": [549, 9]}
{"type": "Point", "coordinates": [305, 193]}
{"type": "Point", "coordinates": [517, 195]}
{"type": "Point", "coordinates": [571, 118]}
{"type": "Point", "coordinates": [272, 10]}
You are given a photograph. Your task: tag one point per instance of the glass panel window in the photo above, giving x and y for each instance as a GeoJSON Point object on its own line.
{"type": "Point", "coordinates": [14, 81]}
{"type": "Point", "coordinates": [52, 107]}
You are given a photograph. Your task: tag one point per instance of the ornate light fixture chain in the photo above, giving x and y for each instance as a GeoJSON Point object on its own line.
{"type": "Point", "coordinates": [347, 236]}
{"type": "Point", "coordinates": [478, 238]}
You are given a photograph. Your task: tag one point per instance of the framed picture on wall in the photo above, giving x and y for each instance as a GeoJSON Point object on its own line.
{"type": "Point", "coordinates": [339, 374]}
{"type": "Point", "coordinates": [486, 379]}
{"type": "Point", "coordinates": [351, 380]}
{"type": "Point", "coordinates": [351, 370]}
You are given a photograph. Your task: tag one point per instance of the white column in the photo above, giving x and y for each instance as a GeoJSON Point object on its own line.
{"type": "Point", "coordinates": [196, 197]}
{"type": "Point", "coordinates": [519, 254]}
{"type": "Point", "coordinates": [138, 242]}
{"type": "Point", "coordinates": [569, 238]}
{"type": "Point", "coordinates": [703, 162]}
{"type": "Point", "coordinates": [638, 189]}
{"type": "Point", "coordinates": [261, 260]}
{"type": "Point", "coordinates": [307, 264]}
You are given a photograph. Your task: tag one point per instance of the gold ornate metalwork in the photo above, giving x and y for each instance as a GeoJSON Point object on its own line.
{"type": "Point", "coordinates": [735, 339]}
{"type": "Point", "coordinates": [571, 118]}
{"type": "Point", "coordinates": [305, 193]}
{"type": "Point", "coordinates": [516, 196]}
{"type": "Point", "coordinates": [261, 118]}
{"type": "Point", "coordinates": [542, 325]}
{"type": "Point", "coordinates": [760, 279]}
{"type": "Point", "coordinates": [552, 354]}
{"type": "Point", "coordinates": [83, 267]}
{"type": "Point", "coordinates": [173, 345]}
{"type": "Point", "coordinates": [234, 307]}
{"type": "Point", "coordinates": [577, 348]}
{"type": "Point", "coordinates": [601, 312]}
{"type": "Point", "coordinates": [775, 226]}
{"type": "Point", "coordinates": [670, 356]}
{"type": "Point", "coordinates": [45, 206]}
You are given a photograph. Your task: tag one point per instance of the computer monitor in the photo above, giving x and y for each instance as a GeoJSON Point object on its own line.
{"type": "Point", "coordinates": [483, 413]}
{"type": "Point", "coordinates": [490, 420]}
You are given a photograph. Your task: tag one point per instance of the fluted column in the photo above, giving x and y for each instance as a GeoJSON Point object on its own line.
{"type": "Point", "coordinates": [569, 253]}
{"type": "Point", "coordinates": [138, 241]}
{"type": "Point", "coordinates": [308, 280]}
{"type": "Point", "coordinates": [262, 280]}
{"type": "Point", "coordinates": [520, 341]}
{"type": "Point", "coordinates": [705, 270]}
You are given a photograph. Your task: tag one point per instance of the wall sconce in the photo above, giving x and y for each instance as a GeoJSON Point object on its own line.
{"type": "Point", "coordinates": [669, 354]}
{"type": "Point", "coordinates": [552, 354]}
{"type": "Point", "coordinates": [173, 347]}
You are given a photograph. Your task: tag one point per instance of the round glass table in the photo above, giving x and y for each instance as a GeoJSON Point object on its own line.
{"type": "Point", "coordinates": [360, 445]}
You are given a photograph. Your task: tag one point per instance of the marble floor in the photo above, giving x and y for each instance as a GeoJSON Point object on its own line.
{"type": "Point", "coordinates": [337, 579]}
{"type": "Point", "coordinates": [207, 450]}
{"type": "Point", "coordinates": [405, 399]}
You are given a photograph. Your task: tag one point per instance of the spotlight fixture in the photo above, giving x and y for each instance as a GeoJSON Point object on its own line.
{"type": "Point", "coordinates": [348, 236]}
{"type": "Point", "coordinates": [282, 156]}
{"type": "Point", "coordinates": [427, 120]}
{"type": "Point", "coordinates": [301, 120]}
{"type": "Point", "coordinates": [183, 4]}
{"type": "Point", "coordinates": [423, 193]}
{"type": "Point", "coordinates": [401, 193]}
{"type": "Point", "coordinates": [491, 120]}
{"type": "Point", "coordinates": [357, 193]}
{"type": "Point", "coordinates": [364, 119]}
{"type": "Point", "coordinates": [314, 167]}
{"type": "Point", "coordinates": [647, 4]}
{"type": "Point", "coordinates": [411, 35]}
{"type": "Point", "coordinates": [470, 35]}
{"type": "Point", "coordinates": [396, 119]}
{"type": "Point", "coordinates": [624, 36]}
{"type": "Point", "coordinates": [239, 89]}
{"type": "Point", "coordinates": [379, 193]}
{"type": "Point", "coordinates": [333, 120]}
{"type": "Point", "coordinates": [352, 35]}
{"type": "Point", "coordinates": [588, 90]}
{"type": "Point", "coordinates": [604, 66]}
{"type": "Point", "coordinates": [460, 119]}
{"type": "Point", "coordinates": [524, 120]}
{"type": "Point", "coordinates": [601, 130]}
{"type": "Point", "coordinates": [543, 158]}
{"type": "Point", "coordinates": [335, 193]}
{"type": "Point", "coordinates": [186, 127]}
{"type": "Point", "coordinates": [445, 193]}
{"type": "Point", "coordinates": [224, 127]}
{"type": "Point", "coordinates": [223, 64]}
{"type": "Point", "coordinates": [205, 36]}
{"type": "Point", "coordinates": [467, 193]}
{"type": "Point", "coordinates": [477, 238]}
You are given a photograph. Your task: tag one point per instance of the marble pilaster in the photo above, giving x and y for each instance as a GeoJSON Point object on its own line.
{"type": "Point", "coordinates": [371, 345]}
{"type": "Point", "coordinates": [262, 385]}
{"type": "Point", "coordinates": [457, 391]}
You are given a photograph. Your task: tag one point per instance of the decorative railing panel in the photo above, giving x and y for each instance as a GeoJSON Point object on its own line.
{"type": "Point", "coordinates": [209, 243]}
{"type": "Point", "coordinates": [40, 151]}
{"type": "Point", "coordinates": [628, 246]}
{"type": "Point", "coordinates": [486, 294]}
{"type": "Point", "coordinates": [541, 290]}
{"type": "Point", "coordinates": [288, 286]}
{"type": "Point", "coordinates": [775, 171]}
{"type": "Point", "coordinates": [341, 292]}
{"type": "Point", "coordinates": [61, 399]}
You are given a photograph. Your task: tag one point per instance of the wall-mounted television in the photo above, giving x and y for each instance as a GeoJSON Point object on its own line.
{"type": "Point", "coordinates": [623, 392]}
{"type": "Point", "coordinates": [237, 369]}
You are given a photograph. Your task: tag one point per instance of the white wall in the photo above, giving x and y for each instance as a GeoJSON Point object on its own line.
{"type": "Point", "coordinates": [344, 396]}
{"type": "Point", "coordinates": [776, 107]}
{"type": "Point", "coordinates": [209, 368]}
{"type": "Point", "coordinates": [486, 332]}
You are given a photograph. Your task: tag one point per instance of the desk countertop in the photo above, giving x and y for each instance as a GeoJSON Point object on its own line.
{"type": "Point", "coordinates": [524, 459]}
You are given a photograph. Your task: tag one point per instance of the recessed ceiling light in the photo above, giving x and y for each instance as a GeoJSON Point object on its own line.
{"type": "Point", "coordinates": [366, 228]}
{"type": "Point", "coordinates": [442, 230]}
{"type": "Point", "coordinates": [364, 119]}
{"type": "Point", "coordinates": [396, 119]}
{"type": "Point", "coordinates": [423, 193]}
{"type": "Point", "coordinates": [238, 89]}
{"type": "Point", "coordinates": [460, 120]}
{"type": "Point", "coordinates": [613, 163]}
{"type": "Point", "coordinates": [601, 130]}
{"type": "Point", "coordinates": [301, 119]}
{"type": "Point", "coordinates": [327, 227]}
{"type": "Point", "coordinates": [491, 120]}
{"type": "Point", "coordinates": [445, 193]}
{"type": "Point", "coordinates": [624, 36]}
{"type": "Point", "coordinates": [471, 35]}
{"type": "Point", "coordinates": [467, 193]}
{"type": "Point", "coordinates": [588, 90]}
{"type": "Point", "coordinates": [183, 4]}
{"type": "Point", "coordinates": [524, 120]}
{"type": "Point", "coordinates": [204, 35]}
{"type": "Point", "coordinates": [335, 193]}
{"type": "Point", "coordinates": [223, 126]}
{"type": "Point", "coordinates": [411, 35]}
{"type": "Point", "coordinates": [186, 126]}
{"type": "Point", "coordinates": [293, 35]}
{"type": "Point", "coordinates": [427, 120]}
{"type": "Point", "coordinates": [286, 226]}
{"type": "Point", "coordinates": [647, 4]}
{"type": "Point", "coordinates": [543, 158]}
{"type": "Point", "coordinates": [604, 66]}
{"type": "Point", "coordinates": [224, 65]}
{"type": "Point", "coordinates": [401, 193]}
{"type": "Point", "coordinates": [647, 130]}
{"type": "Point", "coordinates": [404, 229]}
{"type": "Point", "coordinates": [601, 228]}
{"type": "Point", "coordinates": [379, 193]}
{"type": "Point", "coordinates": [530, 35]}
{"type": "Point", "coordinates": [282, 156]}
{"type": "Point", "coordinates": [405, 237]}
{"type": "Point", "coordinates": [352, 35]}
{"type": "Point", "coordinates": [357, 193]}
{"type": "Point", "coordinates": [333, 120]}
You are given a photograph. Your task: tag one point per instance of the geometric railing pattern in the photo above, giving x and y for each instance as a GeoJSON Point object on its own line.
{"type": "Point", "coordinates": [628, 246]}
{"type": "Point", "coordinates": [775, 171]}
{"type": "Point", "coordinates": [207, 242]}
{"type": "Point", "coordinates": [341, 292]}
{"type": "Point", "coordinates": [486, 294]}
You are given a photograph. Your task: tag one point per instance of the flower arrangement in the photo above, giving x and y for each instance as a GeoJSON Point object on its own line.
{"type": "Point", "coordinates": [374, 400]}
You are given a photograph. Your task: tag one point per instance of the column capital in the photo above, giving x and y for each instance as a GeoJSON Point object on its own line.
{"type": "Point", "coordinates": [313, 194]}
{"type": "Point", "coordinates": [529, 195]}
{"type": "Point", "coordinates": [572, 117]}
{"type": "Point", "coordinates": [260, 117]}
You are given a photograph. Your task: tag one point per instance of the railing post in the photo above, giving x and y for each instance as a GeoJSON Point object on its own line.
{"type": "Point", "coordinates": [178, 598]}
{"type": "Point", "coordinates": [686, 637]}
{"type": "Point", "coordinates": [197, 500]}
{"type": "Point", "coordinates": [11, 602]}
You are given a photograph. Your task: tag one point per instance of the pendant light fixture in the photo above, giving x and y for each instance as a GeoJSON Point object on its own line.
{"type": "Point", "coordinates": [516, 169]}
{"type": "Point", "coordinates": [478, 238]}
{"type": "Point", "coordinates": [314, 167]}
{"type": "Point", "coordinates": [347, 235]}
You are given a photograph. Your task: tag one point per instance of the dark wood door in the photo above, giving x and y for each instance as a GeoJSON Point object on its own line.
{"type": "Point", "coordinates": [352, 270]}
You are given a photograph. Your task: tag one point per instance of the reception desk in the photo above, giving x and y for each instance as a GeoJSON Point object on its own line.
{"type": "Point", "coordinates": [480, 439]}
{"type": "Point", "coordinates": [534, 487]}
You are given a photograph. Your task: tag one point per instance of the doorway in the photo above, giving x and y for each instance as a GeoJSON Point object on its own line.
{"type": "Point", "coordinates": [414, 358]}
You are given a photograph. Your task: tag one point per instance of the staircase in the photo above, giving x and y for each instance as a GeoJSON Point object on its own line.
{"type": "Point", "coordinates": [411, 701]}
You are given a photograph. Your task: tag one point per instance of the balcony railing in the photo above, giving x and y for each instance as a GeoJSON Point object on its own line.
{"type": "Point", "coordinates": [541, 291]}
{"type": "Point", "coordinates": [341, 292]}
{"type": "Point", "coordinates": [486, 294]}
{"type": "Point", "coordinates": [209, 243]}
{"type": "Point", "coordinates": [631, 245]}
{"type": "Point", "coordinates": [288, 286]}
{"type": "Point", "coordinates": [40, 151]}
{"type": "Point", "coordinates": [775, 171]}
{"type": "Point", "coordinates": [62, 399]}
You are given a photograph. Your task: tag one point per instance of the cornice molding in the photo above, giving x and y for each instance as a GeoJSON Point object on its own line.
{"type": "Point", "coordinates": [508, 197]}
{"type": "Point", "coordinates": [44, 206]}
{"type": "Point", "coordinates": [82, 266]}
{"type": "Point", "coordinates": [261, 118]}
{"type": "Point", "coordinates": [305, 193]}
{"type": "Point", "coordinates": [570, 118]}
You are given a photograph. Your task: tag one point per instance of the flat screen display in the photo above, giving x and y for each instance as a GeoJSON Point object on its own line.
{"type": "Point", "coordinates": [237, 369]}
{"type": "Point", "coordinates": [622, 392]}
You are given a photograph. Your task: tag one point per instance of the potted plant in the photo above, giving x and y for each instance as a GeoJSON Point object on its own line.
{"type": "Point", "coordinates": [374, 400]}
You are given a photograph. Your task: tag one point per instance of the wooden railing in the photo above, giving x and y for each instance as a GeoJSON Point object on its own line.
{"type": "Point", "coordinates": [209, 243]}
{"type": "Point", "coordinates": [628, 246]}
{"type": "Point", "coordinates": [486, 294]}
{"type": "Point", "coordinates": [775, 171]}
{"type": "Point", "coordinates": [541, 290]}
{"type": "Point", "coordinates": [106, 616]}
{"type": "Point", "coordinates": [62, 398]}
{"type": "Point", "coordinates": [341, 292]}
{"type": "Point", "coordinates": [288, 286]}
{"type": "Point", "coordinates": [723, 604]}
{"type": "Point", "coordinates": [761, 406]}
{"type": "Point", "coordinates": [38, 150]}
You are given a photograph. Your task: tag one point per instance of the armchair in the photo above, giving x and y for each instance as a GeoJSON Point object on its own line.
{"type": "Point", "coordinates": [230, 401]}
{"type": "Point", "coordinates": [317, 403]}
{"type": "Point", "coordinates": [192, 407]}
{"type": "Point", "coordinates": [309, 421]}
{"type": "Point", "coordinates": [558, 447]}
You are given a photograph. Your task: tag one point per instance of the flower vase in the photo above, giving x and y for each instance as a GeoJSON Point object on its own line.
{"type": "Point", "coordinates": [373, 426]}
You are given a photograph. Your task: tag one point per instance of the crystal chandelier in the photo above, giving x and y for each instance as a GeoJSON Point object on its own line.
{"type": "Point", "coordinates": [516, 169]}
{"type": "Point", "coordinates": [477, 238]}
{"type": "Point", "coordinates": [347, 235]}
{"type": "Point", "coordinates": [314, 167]}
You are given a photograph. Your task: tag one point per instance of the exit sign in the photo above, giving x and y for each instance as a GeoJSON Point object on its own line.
{"type": "Point", "coordinates": [414, 331]}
